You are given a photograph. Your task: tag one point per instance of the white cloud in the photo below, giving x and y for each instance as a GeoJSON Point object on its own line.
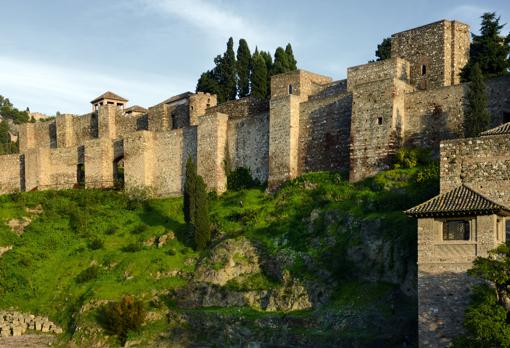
{"type": "Point", "coordinates": [217, 21]}
{"type": "Point", "coordinates": [48, 88]}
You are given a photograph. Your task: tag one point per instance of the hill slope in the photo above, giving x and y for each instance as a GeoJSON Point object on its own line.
{"type": "Point", "coordinates": [321, 261]}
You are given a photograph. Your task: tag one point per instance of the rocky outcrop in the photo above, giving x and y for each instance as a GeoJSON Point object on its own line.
{"type": "Point", "coordinates": [18, 225]}
{"type": "Point", "coordinates": [17, 324]}
{"type": "Point", "coordinates": [228, 260]}
{"type": "Point", "coordinates": [5, 249]}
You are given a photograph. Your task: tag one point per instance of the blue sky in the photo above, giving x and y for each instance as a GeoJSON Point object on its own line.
{"type": "Point", "coordinates": [60, 54]}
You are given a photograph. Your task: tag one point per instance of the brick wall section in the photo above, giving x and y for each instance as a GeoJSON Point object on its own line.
{"type": "Point", "coordinates": [324, 133]}
{"type": "Point", "coordinates": [10, 179]}
{"type": "Point", "coordinates": [482, 162]}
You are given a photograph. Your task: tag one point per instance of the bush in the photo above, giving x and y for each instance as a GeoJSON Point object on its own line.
{"type": "Point", "coordinates": [411, 157]}
{"type": "Point", "coordinates": [240, 179]}
{"type": "Point", "coordinates": [96, 244]}
{"type": "Point", "coordinates": [132, 247]}
{"type": "Point", "coordinates": [88, 274]}
{"type": "Point", "coordinates": [111, 230]}
{"type": "Point", "coordinates": [124, 316]}
{"type": "Point", "coordinates": [140, 229]}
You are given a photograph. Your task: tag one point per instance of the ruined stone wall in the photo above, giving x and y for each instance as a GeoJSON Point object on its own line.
{"type": "Point", "coordinates": [241, 108]}
{"type": "Point", "coordinates": [248, 144]}
{"type": "Point", "coordinates": [482, 162]}
{"type": "Point", "coordinates": [324, 133]}
{"type": "Point", "coordinates": [10, 173]}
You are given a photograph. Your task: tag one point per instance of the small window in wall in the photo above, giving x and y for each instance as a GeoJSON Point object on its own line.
{"type": "Point", "coordinates": [423, 70]}
{"type": "Point", "coordinates": [174, 121]}
{"type": "Point", "coordinates": [456, 230]}
{"type": "Point", "coordinates": [379, 120]}
{"type": "Point", "coordinates": [290, 89]}
{"type": "Point", "coordinates": [191, 107]}
{"type": "Point", "coordinates": [80, 175]}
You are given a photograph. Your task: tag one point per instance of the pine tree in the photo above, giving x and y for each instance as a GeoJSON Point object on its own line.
{"type": "Point", "coordinates": [243, 68]}
{"type": "Point", "coordinates": [281, 62]}
{"type": "Point", "coordinates": [383, 49]}
{"type": "Point", "coordinates": [201, 225]}
{"type": "Point", "coordinates": [477, 117]}
{"type": "Point", "coordinates": [259, 77]}
{"type": "Point", "coordinates": [189, 193]}
{"type": "Point", "coordinates": [290, 57]}
{"type": "Point", "coordinates": [489, 49]}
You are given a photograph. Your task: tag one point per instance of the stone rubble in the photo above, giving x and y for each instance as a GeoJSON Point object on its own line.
{"type": "Point", "coordinates": [16, 324]}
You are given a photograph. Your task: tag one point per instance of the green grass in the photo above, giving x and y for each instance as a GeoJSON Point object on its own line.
{"type": "Point", "coordinates": [43, 274]}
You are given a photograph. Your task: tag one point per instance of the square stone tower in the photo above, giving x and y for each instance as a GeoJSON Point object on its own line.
{"type": "Point", "coordinates": [437, 52]}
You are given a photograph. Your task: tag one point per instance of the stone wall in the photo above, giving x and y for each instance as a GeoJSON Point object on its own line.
{"type": "Point", "coordinates": [302, 83]}
{"type": "Point", "coordinates": [10, 173]}
{"type": "Point", "coordinates": [241, 108]}
{"type": "Point", "coordinates": [17, 324]}
{"type": "Point", "coordinates": [248, 144]}
{"type": "Point", "coordinates": [324, 133]}
{"type": "Point", "coordinates": [482, 162]}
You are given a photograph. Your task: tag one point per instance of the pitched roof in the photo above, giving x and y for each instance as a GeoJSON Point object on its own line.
{"type": "Point", "coordinates": [135, 108]}
{"type": "Point", "coordinates": [502, 129]}
{"type": "Point", "coordinates": [178, 97]}
{"type": "Point", "coordinates": [109, 95]}
{"type": "Point", "coordinates": [460, 201]}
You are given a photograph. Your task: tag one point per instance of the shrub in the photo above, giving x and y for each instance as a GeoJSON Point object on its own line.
{"type": "Point", "coordinates": [240, 179]}
{"type": "Point", "coordinates": [411, 157]}
{"type": "Point", "coordinates": [111, 230]}
{"type": "Point", "coordinates": [96, 244]}
{"type": "Point", "coordinates": [124, 316]}
{"type": "Point", "coordinates": [132, 247]}
{"type": "Point", "coordinates": [140, 229]}
{"type": "Point", "coordinates": [88, 274]}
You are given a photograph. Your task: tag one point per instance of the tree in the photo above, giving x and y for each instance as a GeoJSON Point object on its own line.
{"type": "Point", "coordinates": [226, 70]}
{"type": "Point", "coordinates": [5, 138]}
{"type": "Point", "coordinates": [477, 117]}
{"type": "Point", "coordinates": [201, 225]}
{"type": "Point", "coordinates": [490, 50]}
{"type": "Point", "coordinates": [259, 77]}
{"type": "Point", "coordinates": [383, 49]}
{"type": "Point", "coordinates": [244, 63]}
{"type": "Point", "coordinates": [290, 57]}
{"type": "Point", "coordinates": [486, 317]}
{"type": "Point", "coordinates": [189, 193]}
{"type": "Point", "coordinates": [208, 83]}
{"type": "Point", "coordinates": [281, 62]}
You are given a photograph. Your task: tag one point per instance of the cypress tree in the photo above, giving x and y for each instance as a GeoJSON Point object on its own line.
{"type": "Point", "coordinates": [281, 63]}
{"type": "Point", "coordinates": [200, 221]}
{"type": "Point", "coordinates": [269, 67]}
{"type": "Point", "coordinates": [477, 117]}
{"type": "Point", "coordinates": [259, 77]}
{"type": "Point", "coordinates": [243, 68]}
{"type": "Point", "coordinates": [226, 67]}
{"type": "Point", "coordinates": [189, 193]}
{"type": "Point", "coordinates": [290, 57]}
{"type": "Point", "coordinates": [489, 49]}
{"type": "Point", "coordinates": [383, 49]}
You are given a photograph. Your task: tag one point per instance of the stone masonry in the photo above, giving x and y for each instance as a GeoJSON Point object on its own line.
{"type": "Point", "coordinates": [310, 123]}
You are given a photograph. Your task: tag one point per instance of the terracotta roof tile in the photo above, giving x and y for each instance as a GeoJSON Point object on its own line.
{"type": "Point", "coordinates": [460, 201]}
{"type": "Point", "coordinates": [109, 95]}
{"type": "Point", "coordinates": [502, 129]}
{"type": "Point", "coordinates": [135, 108]}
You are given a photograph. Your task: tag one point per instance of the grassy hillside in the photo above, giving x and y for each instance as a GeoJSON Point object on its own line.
{"type": "Point", "coordinates": [85, 247]}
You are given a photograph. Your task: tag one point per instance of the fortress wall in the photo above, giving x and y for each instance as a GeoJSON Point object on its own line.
{"type": "Point", "coordinates": [388, 69]}
{"type": "Point", "coordinates": [499, 99]}
{"type": "Point", "coordinates": [198, 105]}
{"type": "Point", "coordinates": [241, 108]}
{"type": "Point", "coordinates": [99, 157]}
{"type": "Point", "coordinates": [482, 162]}
{"type": "Point", "coordinates": [10, 173]}
{"type": "Point", "coordinates": [283, 139]}
{"type": "Point", "coordinates": [211, 150]}
{"type": "Point", "coordinates": [324, 133]}
{"type": "Point", "coordinates": [126, 124]}
{"type": "Point", "coordinates": [85, 128]}
{"type": "Point", "coordinates": [304, 83]}
{"type": "Point", "coordinates": [138, 160]}
{"type": "Point", "coordinates": [248, 144]}
{"type": "Point", "coordinates": [170, 153]}
{"type": "Point", "coordinates": [434, 115]}
{"type": "Point", "coordinates": [158, 118]}
{"type": "Point", "coordinates": [39, 134]}
{"type": "Point", "coordinates": [61, 169]}
{"type": "Point", "coordinates": [37, 168]}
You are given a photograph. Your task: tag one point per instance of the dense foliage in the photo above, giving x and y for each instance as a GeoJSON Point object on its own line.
{"type": "Point", "coordinates": [383, 49]}
{"type": "Point", "coordinates": [240, 179]}
{"type": "Point", "coordinates": [477, 117]}
{"type": "Point", "coordinates": [248, 74]}
{"type": "Point", "coordinates": [490, 50]}
{"type": "Point", "coordinates": [124, 316]}
{"type": "Point", "coordinates": [486, 319]}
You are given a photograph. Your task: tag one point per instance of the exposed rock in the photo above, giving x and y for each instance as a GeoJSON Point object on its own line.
{"type": "Point", "coordinates": [5, 249]}
{"type": "Point", "coordinates": [16, 324]}
{"type": "Point", "coordinates": [18, 225]}
{"type": "Point", "coordinates": [163, 239]}
{"type": "Point", "coordinates": [228, 260]}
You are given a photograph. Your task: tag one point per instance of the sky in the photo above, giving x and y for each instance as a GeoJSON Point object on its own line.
{"type": "Point", "coordinates": [58, 55]}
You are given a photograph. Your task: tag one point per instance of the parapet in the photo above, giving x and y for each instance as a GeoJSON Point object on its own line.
{"type": "Point", "coordinates": [393, 68]}
{"type": "Point", "coordinates": [298, 82]}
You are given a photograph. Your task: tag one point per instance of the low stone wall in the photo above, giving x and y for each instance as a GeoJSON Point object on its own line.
{"type": "Point", "coordinates": [17, 324]}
